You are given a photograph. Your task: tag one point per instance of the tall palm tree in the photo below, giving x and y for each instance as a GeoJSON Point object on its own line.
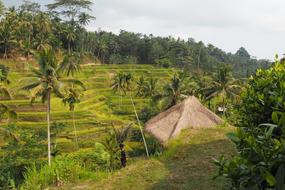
{"type": "Point", "coordinates": [44, 81]}
{"type": "Point", "coordinates": [72, 97]}
{"type": "Point", "coordinates": [70, 37]}
{"type": "Point", "coordinates": [71, 64]}
{"type": "Point", "coordinates": [7, 30]}
{"type": "Point", "coordinates": [43, 31]}
{"type": "Point", "coordinates": [84, 18]}
{"type": "Point", "coordinates": [101, 49]}
{"type": "Point", "coordinates": [7, 38]}
{"type": "Point", "coordinates": [26, 45]}
{"type": "Point", "coordinates": [223, 85]}
{"type": "Point", "coordinates": [122, 84]}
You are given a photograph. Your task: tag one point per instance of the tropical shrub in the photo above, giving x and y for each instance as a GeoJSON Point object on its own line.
{"type": "Point", "coordinates": [18, 155]}
{"type": "Point", "coordinates": [63, 170]}
{"type": "Point", "coordinates": [93, 159]}
{"type": "Point", "coordinates": [260, 163]}
{"type": "Point", "coordinates": [264, 94]}
{"type": "Point", "coordinates": [261, 160]}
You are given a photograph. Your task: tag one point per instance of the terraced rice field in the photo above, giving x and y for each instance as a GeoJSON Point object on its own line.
{"type": "Point", "coordinates": [99, 108]}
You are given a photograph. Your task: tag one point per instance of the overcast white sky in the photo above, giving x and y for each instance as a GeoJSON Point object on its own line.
{"type": "Point", "coordinates": [258, 25]}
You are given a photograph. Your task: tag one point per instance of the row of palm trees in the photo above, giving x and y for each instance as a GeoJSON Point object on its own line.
{"type": "Point", "coordinates": [220, 84]}
{"type": "Point", "coordinates": [27, 32]}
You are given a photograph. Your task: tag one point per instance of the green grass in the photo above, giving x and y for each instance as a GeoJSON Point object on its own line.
{"type": "Point", "coordinates": [186, 164]}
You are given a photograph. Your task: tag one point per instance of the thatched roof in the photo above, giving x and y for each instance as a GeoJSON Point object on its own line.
{"type": "Point", "coordinates": [188, 114]}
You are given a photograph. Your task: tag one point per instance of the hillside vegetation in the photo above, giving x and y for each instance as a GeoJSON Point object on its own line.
{"type": "Point", "coordinates": [99, 108]}
{"type": "Point", "coordinates": [186, 164]}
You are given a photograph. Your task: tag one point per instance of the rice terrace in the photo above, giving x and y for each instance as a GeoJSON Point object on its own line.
{"type": "Point", "coordinates": [114, 95]}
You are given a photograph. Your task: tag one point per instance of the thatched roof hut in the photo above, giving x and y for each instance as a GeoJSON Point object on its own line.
{"type": "Point", "coordinates": [188, 114]}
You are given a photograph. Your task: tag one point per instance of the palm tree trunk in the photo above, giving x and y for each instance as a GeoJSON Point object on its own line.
{"type": "Point", "coordinates": [224, 106]}
{"type": "Point", "coordinates": [29, 42]}
{"type": "Point", "coordinates": [68, 47]}
{"type": "Point", "coordinates": [5, 51]}
{"type": "Point", "coordinates": [48, 126]}
{"type": "Point", "coordinates": [121, 99]}
{"type": "Point", "coordinates": [75, 131]}
{"type": "Point", "coordinates": [198, 65]}
{"type": "Point", "coordinates": [139, 123]}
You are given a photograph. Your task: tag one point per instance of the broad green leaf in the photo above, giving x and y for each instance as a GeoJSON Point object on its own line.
{"type": "Point", "coordinates": [275, 117]}
{"type": "Point", "coordinates": [270, 179]}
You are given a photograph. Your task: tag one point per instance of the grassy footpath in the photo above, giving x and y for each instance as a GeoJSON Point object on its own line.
{"type": "Point", "coordinates": [186, 164]}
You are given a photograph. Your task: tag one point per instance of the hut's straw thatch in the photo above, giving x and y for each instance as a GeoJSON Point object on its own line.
{"type": "Point", "coordinates": [188, 114]}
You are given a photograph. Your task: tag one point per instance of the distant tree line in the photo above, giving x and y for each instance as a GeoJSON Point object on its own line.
{"type": "Point", "coordinates": [129, 47]}
{"type": "Point", "coordinates": [62, 27]}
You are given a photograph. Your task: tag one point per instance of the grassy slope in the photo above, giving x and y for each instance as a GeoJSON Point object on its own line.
{"type": "Point", "coordinates": [98, 109]}
{"type": "Point", "coordinates": [186, 164]}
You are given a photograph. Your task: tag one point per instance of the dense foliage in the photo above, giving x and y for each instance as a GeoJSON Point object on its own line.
{"type": "Point", "coordinates": [27, 29]}
{"type": "Point", "coordinates": [260, 162]}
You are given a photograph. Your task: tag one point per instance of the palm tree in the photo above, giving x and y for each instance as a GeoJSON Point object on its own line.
{"type": "Point", "coordinates": [223, 85]}
{"type": "Point", "coordinates": [84, 18]}
{"type": "Point", "coordinates": [101, 49]}
{"type": "Point", "coordinates": [151, 87]}
{"type": "Point", "coordinates": [175, 91]}
{"type": "Point", "coordinates": [26, 30]}
{"type": "Point", "coordinates": [126, 86]}
{"type": "Point", "coordinates": [5, 111]}
{"type": "Point", "coordinates": [44, 81]}
{"type": "Point", "coordinates": [140, 86]}
{"type": "Point", "coordinates": [43, 36]}
{"type": "Point", "coordinates": [72, 98]}
{"type": "Point", "coordinates": [118, 85]}
{"type": "Point", "coordinates": [70, 36]}
{"type": "Point", "coordinates": [4, 81]}
{"type": "Point", "coordinates": [6, 37]}
{"type": "Point", "coordinates": [146, 88]}
{"type": "Point", "coordinates": [71, 64]}
{"type": "Point", "coordinates": [122, 84]}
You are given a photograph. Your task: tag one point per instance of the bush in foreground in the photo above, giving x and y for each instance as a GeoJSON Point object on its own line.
{"type": "Point", "coordinates": [260, 163]}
